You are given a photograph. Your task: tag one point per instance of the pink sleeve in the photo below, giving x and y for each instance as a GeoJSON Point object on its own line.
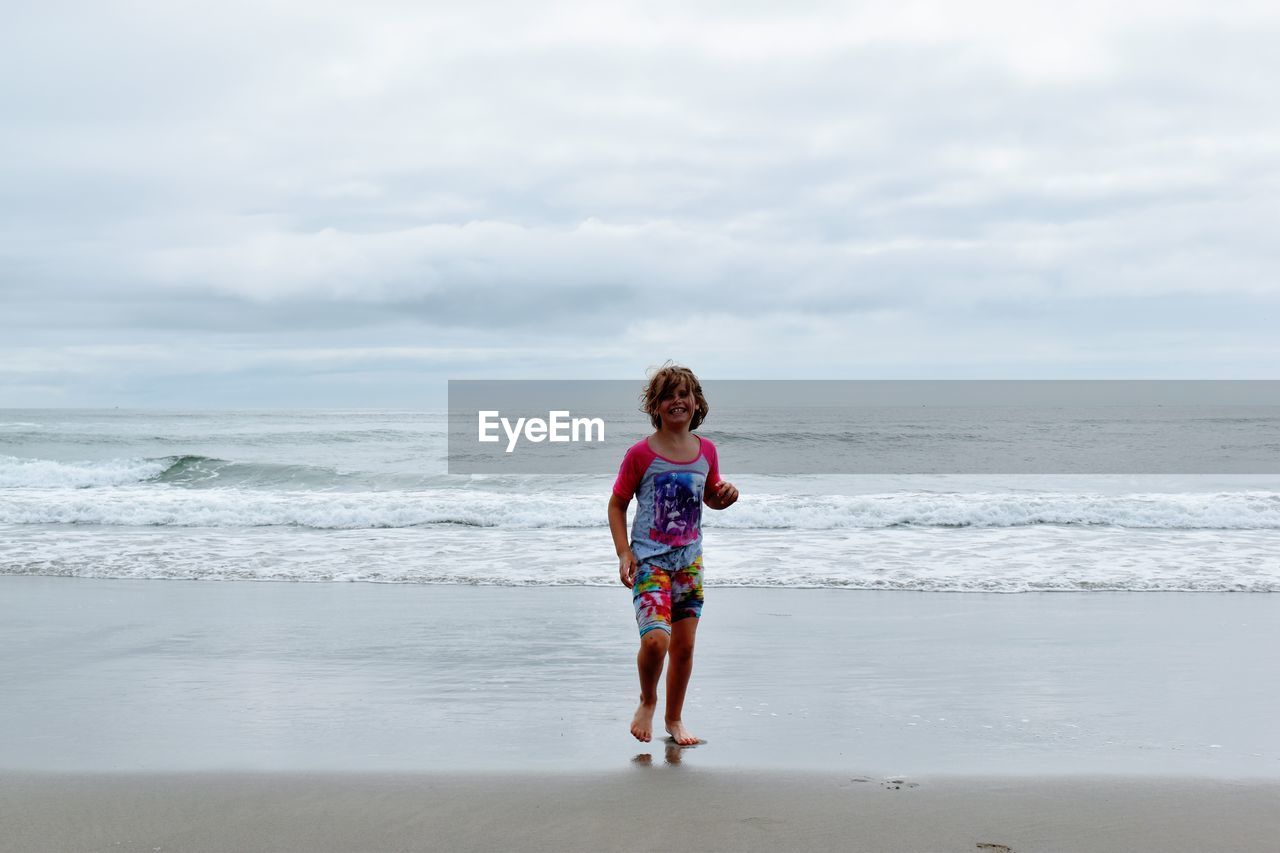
{"type": "Point", "coordinates": [633, 467]}
{"type": "Point", "coordinates": [713, 461]}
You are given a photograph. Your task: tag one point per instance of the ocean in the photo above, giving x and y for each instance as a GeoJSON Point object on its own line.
{"type": "Point", "coordinates": [364, 496]}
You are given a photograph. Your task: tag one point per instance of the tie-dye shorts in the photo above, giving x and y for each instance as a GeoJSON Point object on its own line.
{"type": "Point", "coordinates": [662, 596]}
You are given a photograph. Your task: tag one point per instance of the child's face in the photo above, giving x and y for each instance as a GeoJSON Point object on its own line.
{"type": "Point", "coordinates": [677, 406]}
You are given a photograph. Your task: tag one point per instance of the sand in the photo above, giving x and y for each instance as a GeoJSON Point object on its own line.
{"type": "Point", "coordinates": [162, 715]}
{"type": "Point", "coordinates": [644, 809]}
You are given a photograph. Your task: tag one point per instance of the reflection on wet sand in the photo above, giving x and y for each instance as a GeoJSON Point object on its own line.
{"type": "Point", "coordinates": [672, 754]}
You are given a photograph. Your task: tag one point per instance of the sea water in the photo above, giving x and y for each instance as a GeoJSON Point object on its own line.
{"type": "Point", "coordinates": [366, 496]}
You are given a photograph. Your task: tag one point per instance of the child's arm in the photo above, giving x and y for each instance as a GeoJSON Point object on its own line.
{"type": "Point", "coordinates": [618, 527]}
{"type": "Point", "coordinates": [722, 496]}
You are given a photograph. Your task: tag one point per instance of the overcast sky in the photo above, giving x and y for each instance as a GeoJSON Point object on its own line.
{"type": "Point", "coordinates": [345, 204]}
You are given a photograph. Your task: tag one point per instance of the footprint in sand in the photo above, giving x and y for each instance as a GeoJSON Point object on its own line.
{"type": "Point", "coordinates": [898, 784]}
{"type": "Point", "coordinates": [994, 848]}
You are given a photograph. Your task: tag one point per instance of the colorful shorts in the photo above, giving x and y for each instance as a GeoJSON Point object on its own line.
{"type": "Point", "coordinates": [662, 596]}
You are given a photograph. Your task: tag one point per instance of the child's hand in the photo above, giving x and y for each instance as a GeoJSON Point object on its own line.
{"type": "Point", "coordinates": [724, 496]}
{"type": "Point", "coordinates": [627, 566]}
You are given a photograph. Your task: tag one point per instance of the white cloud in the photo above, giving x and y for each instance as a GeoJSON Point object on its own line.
{"type": "Point", "coordinates": [949, 181]}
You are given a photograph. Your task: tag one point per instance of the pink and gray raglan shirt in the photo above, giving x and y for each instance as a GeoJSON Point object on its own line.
{"type": "Point", "coordinates": [667, 531]}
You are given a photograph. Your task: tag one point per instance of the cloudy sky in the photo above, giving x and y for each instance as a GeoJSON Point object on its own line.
{"type": "Point", "coordinates": [345, 204]}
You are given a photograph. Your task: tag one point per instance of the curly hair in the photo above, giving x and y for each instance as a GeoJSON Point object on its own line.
{"type": "Point", "coordinates": [663, 382]}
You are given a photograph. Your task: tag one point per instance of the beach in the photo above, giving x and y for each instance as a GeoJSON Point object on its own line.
{"type": "Point", "coordinates": [283, 716]}
{"type": "Point", "coordinates": [296, 631]}
{"type": "Point", "coordinates": [355, 357]}
{"type": "Point", "coordinates": [632, 811]}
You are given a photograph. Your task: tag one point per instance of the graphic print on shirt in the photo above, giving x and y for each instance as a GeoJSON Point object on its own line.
{"type": "Point", "coordinates": [677, 507]}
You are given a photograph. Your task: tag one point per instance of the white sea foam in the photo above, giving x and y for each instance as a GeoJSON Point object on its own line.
{"type": "Point", "coordinates": [45, 473]}
{"type": "Point", "coordinates": [1225, 510]}
{"type": "Point", "coordinates": [162, 505]}
{"type": "Point", "coordinates": [1008, 560]}
{"type": "Point", "coordinates": [364, 497]}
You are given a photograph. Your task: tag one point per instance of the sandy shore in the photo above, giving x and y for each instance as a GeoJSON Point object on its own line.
{"type": "Point", "coordinates": [642, 809]}
{"type": "Point", "coordinates": [163, 715]}
{"type": "Point", "coordinates": [183, 676]}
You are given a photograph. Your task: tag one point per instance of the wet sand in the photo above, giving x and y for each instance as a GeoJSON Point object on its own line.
{"type": "Point", "coordinates": [643, 809]}
{"type": "Point", "coordinates": [168, 715]}
{"type": "Point", "coordinates": [154, 676]}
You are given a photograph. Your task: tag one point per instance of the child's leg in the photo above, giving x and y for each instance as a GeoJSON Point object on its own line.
{"type": "Point", "coordinates": [681, 652]}
{"type": "Point", "coordinates": [651, 594]}
{"type": "Point", "coordinates": [653, 651]}
{"type": "Point", "coordinates": [686, 609]}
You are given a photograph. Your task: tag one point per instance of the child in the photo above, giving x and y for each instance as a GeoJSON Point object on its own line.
{"type": "Point", "coordinates": [671, 473]}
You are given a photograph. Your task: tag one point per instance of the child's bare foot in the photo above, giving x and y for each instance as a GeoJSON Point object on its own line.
{"type": "Point", "coordinates": [680, 734]}
{"type": "Point", "coordinates": [642, 723]}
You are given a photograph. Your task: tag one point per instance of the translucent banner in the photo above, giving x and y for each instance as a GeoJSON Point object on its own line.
{"type": "Point", "coordinates": [781, 427]}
